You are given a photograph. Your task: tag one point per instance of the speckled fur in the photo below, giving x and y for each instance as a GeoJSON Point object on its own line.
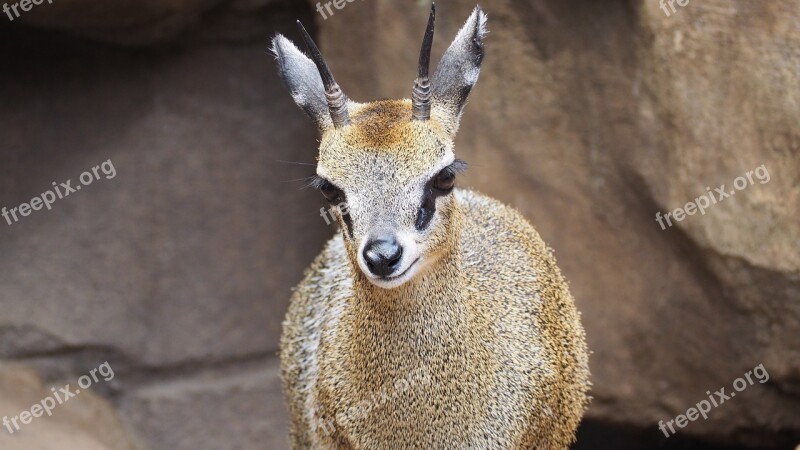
{"type": "Point", "coordinates": [488, 319]}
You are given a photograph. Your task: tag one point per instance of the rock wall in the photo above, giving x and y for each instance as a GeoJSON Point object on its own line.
{"type": "Point", "coordinates": [590, 117]}
{"type": "Point", "coordinates": [83, 422]}
{"type": "Point", "coordinates": [178, 269]}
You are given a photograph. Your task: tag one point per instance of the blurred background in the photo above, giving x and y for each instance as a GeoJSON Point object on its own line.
{"type": "Point", "coordinates": [590, 117]}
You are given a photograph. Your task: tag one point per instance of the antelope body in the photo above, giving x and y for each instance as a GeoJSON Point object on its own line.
{"type": "Point", "coordinates": [437, 318]}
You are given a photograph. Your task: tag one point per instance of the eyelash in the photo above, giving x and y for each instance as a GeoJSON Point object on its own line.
{"type": "Point", "coordinates": [458, 166]}
{"type": "Point", "coordinates": [317, 182]}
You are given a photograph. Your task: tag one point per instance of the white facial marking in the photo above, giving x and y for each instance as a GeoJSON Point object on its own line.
{"type": "Point", "coordinates": [410, 262]}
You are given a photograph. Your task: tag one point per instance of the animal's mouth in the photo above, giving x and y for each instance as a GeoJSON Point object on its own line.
{"type": "Point", "coordinates": [398, 276]}
{"type": "Point", "coordinates": [411, 261]}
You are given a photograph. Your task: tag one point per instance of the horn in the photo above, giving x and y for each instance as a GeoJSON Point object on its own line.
{"type": "Point", "coordinates": [337, 100]}
{"type": "Point", "coordinates": [421, 95]}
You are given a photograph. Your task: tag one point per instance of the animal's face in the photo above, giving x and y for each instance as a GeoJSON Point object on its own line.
{"type": "Point", "coordinates": [389, 165]}
{"type": "Point", "coordinates": [395, 178]}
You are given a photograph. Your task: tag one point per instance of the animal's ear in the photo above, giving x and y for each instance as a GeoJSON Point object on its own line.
{"type": "Point", "coordinates": [303, 80]}
{"type": "Point", "coordinates": [460, 66]}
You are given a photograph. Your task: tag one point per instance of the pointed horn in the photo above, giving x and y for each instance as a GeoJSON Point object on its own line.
{"type": "Point", "coordinates": [421, 95]}
{"type": "Point", "coordinates": [337, 100]}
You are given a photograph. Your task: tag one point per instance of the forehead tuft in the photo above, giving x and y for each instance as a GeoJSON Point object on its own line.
{"type": "Point", "coordinates": [382, 125]}
{"type": "Point", "coordinates": [386, 111]}
{"type": "Point", "coordinates": [382, 139]}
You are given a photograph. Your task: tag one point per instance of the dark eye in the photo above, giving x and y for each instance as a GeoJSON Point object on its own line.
{"type": "Point", "coordinates": [329, 191]}
{"type": "Point", "coordinates": [445, 180]}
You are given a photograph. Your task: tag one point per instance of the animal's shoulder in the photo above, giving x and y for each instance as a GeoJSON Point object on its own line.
{"type": "Point", "coordinates": [496, 228]}
{"type": "Point", "coordinates": [498, 245]}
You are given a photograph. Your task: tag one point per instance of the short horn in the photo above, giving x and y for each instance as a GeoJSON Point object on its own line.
{"type": "Point", "coordinates": [337, 100]}
{"type": "Point", "coordinates": [421, 95]}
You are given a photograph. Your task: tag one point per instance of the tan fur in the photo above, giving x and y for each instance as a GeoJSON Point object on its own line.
{"type": "Point", "coordinates": [380, 124]}
{"type": "Point", "coordinates": [491, 322]}
{"type": "Point", "coordinates": [481, 347]}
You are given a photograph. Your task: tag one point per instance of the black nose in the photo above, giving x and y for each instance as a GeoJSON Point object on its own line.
{"type": "Point", "coordinates": [382, 255]}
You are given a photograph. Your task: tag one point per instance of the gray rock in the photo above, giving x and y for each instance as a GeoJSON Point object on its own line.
{"type": "Point", "coordinates": [83, 422]}
{"type": "Point", "coordinates": [212, 410]}
{"type": "Point", "coordinates": [189, 252]}
{"type": "Point", "coordinates": [589, 117]}
{"type": "Point", "coordinates": [140, 22]}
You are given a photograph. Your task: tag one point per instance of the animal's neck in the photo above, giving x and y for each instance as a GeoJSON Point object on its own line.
{"type": "Point", "coordinates": [440, 283]}
{"type": "Point", "coordinates": [432, 322]}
